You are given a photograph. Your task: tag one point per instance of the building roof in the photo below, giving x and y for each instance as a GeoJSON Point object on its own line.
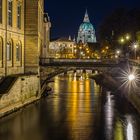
{"type": "Point", "coordinates": [86, 31]}
{"type": "Point", "coordinates": [86, 17]}
{"type": "Point", "coordinates": [86, 25]}
{"type": "Point", "coordinates": [62, 39]}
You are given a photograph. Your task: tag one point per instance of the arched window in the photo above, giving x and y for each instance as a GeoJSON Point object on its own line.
{"type": "Point", "coordinates": [10, 10]}
{"type": "Point", "coordinates": [1, 49]}
{"type": "Point", "coordinates": [9, 51]}
{"type": "Point", "coordinates": [18, 52]}
{"type": "Point", "coordinates": [0, 11]}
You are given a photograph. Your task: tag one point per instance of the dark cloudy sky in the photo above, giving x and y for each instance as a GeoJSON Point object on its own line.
{"type": "Point", "coordinates": [67, 15]}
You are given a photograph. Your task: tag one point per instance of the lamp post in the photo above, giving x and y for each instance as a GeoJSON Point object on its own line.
{"type": "Point", "coordinates": [124, 40]}
{"type": "Point", "coordinates": [135, 50]}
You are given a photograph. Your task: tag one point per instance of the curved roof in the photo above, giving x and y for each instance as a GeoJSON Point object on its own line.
{"type": "Point", "coordinates": [86, 26]}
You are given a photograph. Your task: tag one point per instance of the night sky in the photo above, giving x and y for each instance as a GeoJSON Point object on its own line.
{"type": "Point", "coordinates": [67, 15]}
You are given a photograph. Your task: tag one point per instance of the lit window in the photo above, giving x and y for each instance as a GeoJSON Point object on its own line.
{"type": "Point", "coordinates": [18, 52]}
{"type": "Point", "coordinates": [0, 11]}
{"type": "Point", "coordinates": [10, 6]}
{"type": "Point", "coordinates": [9, 51]}
{"type": "Point", "coordinates": [19, 16]}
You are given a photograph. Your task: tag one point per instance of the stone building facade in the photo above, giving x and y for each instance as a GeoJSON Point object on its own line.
{"type": "Point", "coordinates": [11, 37]}
{"type": "Point", "coordinates": [62, 48]}
{"type": "Point", "coordinates": [21, 36]}
{"type": "Point", "coordinates": [47, 26]}
{"type": "Point", "coordinates": [24, 33]}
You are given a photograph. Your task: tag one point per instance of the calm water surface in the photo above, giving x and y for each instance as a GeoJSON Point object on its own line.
{"type": "Point", "coordinates": [78, 109]}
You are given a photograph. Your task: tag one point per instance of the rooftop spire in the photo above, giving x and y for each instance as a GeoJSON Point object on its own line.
{"type": "Point", "coordinates": [86, 18]}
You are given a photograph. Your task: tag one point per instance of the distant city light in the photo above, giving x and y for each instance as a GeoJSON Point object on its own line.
{"type": "Point", "coordinates": [127, 37]}
{"type": "Point", "coordinates": [122, 40]}
{"type": "Point", "coordinates": [135, 45]}
{"type": "Point", "coordinates": [116, 56]}
{"type": "Point", "coordinates": [118, 52]}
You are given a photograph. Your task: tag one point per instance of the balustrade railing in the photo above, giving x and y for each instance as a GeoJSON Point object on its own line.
{"type": "Point", "coordinates": [61, 60]}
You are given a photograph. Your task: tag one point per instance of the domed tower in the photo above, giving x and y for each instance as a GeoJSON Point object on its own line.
{"type": "Point", "coordinates": [86, 33]}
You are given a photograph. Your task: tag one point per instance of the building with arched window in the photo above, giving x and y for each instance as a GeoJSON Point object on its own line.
{"type": "Point", "coordinates": [12, 29]}
{"type": "Point", "coordinates": [24, 36]}
{"type": "Point", "coordinates": [18, 52]}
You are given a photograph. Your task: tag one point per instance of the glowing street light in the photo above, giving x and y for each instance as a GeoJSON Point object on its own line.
{"type": "Point", "coordinates": [118, 52]}
{"type": "Point", "coordinates": [127, 37]}
{"type": "Point", "coordinates": [135, 46]}
{"type": "Point", "coordinates": [131, 77]}
{"type": "Point", "coordinates": [122, 40]}
{"type": "Point", "coordinates": [116, 56]}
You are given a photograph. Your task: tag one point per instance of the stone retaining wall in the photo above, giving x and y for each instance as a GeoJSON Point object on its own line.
{"type": "Point", "coordinates": [25, 90]}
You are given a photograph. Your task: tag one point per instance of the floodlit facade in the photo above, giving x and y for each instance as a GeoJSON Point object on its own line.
{"type": "Point", "coordinates": [11, 37]}
{"type": "Point", "coordinates": [86, 33]}
{"type": "Point", "coordinates": [62, 48]}
{"type": "Point", "coordinates": [47, 26]}
{"type": "Point", "coordinates": [22, 29]}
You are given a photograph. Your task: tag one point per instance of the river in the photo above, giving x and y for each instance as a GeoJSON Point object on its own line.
{"type": "Point", "coordinates": [77, 109]}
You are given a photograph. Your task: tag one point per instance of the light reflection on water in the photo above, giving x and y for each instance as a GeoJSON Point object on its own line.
{"type": "Point", "coordinates": [72, 112]}
{"type": "Point", "coordinates": [119, 130]}
{"type": "Point", "coordinates": [109, 116]}
{"type": "Point", "coordinates": [80, 104]}
{"type": "Point", "coordinates": [119, 126]}
{"type": "Point", "coordinates": [130, 128]}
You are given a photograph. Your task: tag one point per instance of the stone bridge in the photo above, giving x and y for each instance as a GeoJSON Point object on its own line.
{"type": "Point", "coordinates": [50, 67]}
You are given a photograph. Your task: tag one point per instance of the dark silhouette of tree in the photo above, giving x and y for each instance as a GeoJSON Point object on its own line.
{"type": "Point", "coordinates": [118, 23]}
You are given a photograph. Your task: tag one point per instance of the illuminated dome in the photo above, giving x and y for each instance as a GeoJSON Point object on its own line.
{"type": "Point", "coordinates": [86, 31]}
{"type": "Point", "coordinates": [86, 26]}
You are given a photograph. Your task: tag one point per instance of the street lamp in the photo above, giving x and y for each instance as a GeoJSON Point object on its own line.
{"type": "Point", "coordinates": [118, 52]}
{"type": "Point", "coordinates": [125, 40]}
{"type": "Point", "coordinates": [122, 40]}
{"type": "Point", "coordinates": [135, 49]}
{"type": "Point", "coordinates": [131, 77]}
{"type": "Point", "coordinates": [127, 37]}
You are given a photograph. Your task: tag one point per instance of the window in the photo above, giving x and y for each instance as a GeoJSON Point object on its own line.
{"type": "Point", "coordinates": [19, 16]}
{"type": "Point", "coordinates": [9, 51]}
{"type": "Point", "coordinates": [10, 6]}
{"type": "Point", "coordinates": [18, 52]}
{"type": "Point", "coordinates": [1, 49]}
{"type": "Point", "coordinates": [0, 11]}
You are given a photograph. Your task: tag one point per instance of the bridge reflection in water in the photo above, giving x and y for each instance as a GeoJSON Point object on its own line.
{"type": "Point", "coordinates": [78, 109]}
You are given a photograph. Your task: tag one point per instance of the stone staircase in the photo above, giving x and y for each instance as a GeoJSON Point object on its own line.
{"type": "Point", "coordinates": [6, 83]}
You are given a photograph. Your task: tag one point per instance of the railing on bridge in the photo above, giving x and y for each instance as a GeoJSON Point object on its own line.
{"type": "Point", "coordinates": [73, 60]}
{"type": "Point", "coordinates": [88, 62]}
